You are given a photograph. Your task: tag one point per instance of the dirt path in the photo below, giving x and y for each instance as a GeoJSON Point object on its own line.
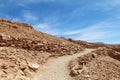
{"type": "Point", "coordinates": [56, 68]}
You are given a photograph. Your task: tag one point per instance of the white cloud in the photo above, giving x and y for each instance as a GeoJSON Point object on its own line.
{"type": "Point", "coordinates": [47, 28]}
{"type": "Point", "coordinates": [24, 3]}
{"type": "Point", "coordinates": [103, 30]}
{"type": "Point", "coordinates": [38, 1]}
{"type": "Point", "coordinates": [16, 19]}
{"type": "Point", "coordinates": [107, 5]}
{"type": "Point", "coordinates": [96, 5]}
{"type": "Point", "coordinates": [95, 35]}
{"type": "Point", "coordinates": [28, 16]}
{"type": "Point", "coordinates": [41, 26]}
{"type": "Point", "coordinates": [41, 0]}
{"type": "Point", "coordinates": [84, 7]}
{"type": "Point", "coordinates": [49, 25]}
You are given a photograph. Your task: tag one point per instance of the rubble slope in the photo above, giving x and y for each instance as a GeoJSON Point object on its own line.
{"type": "Point", "coordinates": [101, 64]}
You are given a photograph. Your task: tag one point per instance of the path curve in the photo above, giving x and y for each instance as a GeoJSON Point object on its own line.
{"type": "Point", "coordinates": [56, 68]}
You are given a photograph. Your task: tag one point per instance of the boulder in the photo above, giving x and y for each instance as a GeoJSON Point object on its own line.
{"type": "Point", "coordinates": [4, 37]}
{"type": "Point", "coordinates": [33, 66]}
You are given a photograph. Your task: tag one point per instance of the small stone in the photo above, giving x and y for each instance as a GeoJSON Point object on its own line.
{"type": "Point", "coordinates": [33, 66]}
{"type": "Point", "coordinates": [4, 66]}
{"type": "Point", "coordinates": [74, 73]}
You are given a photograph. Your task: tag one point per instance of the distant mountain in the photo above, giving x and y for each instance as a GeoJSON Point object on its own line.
{"type": "Point", "coordinates": [86, 44]}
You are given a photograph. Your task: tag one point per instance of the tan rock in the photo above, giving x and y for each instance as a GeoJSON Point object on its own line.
{"type": "Point", "coordinates": [40, 44]}
{"type": "Point", "coordinates": [4, 37]}
{"type": "Point", "coordinates": [33, 66]}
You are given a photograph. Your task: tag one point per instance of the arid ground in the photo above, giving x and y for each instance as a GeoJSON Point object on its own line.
{"type": "Point", "coordinates": [27, 54]}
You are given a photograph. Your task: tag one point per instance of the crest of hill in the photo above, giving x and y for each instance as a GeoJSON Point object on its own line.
{"type": "Point", "coordinates": [26, 31]}
{"type": "Point", "coordinates": [22, 30]}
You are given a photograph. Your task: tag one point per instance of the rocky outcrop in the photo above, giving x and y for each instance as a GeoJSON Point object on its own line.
{"type": "Point", "coordinates": [55, 49]}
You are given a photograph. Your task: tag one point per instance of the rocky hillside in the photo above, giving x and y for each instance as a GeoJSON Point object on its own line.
{"type": "Point", "coordinates": [101, 64]}
{"type": "Point", "coordinates": [24, 52]}
{"type": "Point", "coordinates": [23, 49]}
{"type": "Point", "coordinates": [21, 35]}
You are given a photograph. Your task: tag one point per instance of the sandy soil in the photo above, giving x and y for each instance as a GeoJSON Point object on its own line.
{"type": "Point", "coordinates": [56, 68]}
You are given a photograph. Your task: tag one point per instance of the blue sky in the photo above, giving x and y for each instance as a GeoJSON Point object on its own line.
{"type": "Point", "coordinates": [89, 20]}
